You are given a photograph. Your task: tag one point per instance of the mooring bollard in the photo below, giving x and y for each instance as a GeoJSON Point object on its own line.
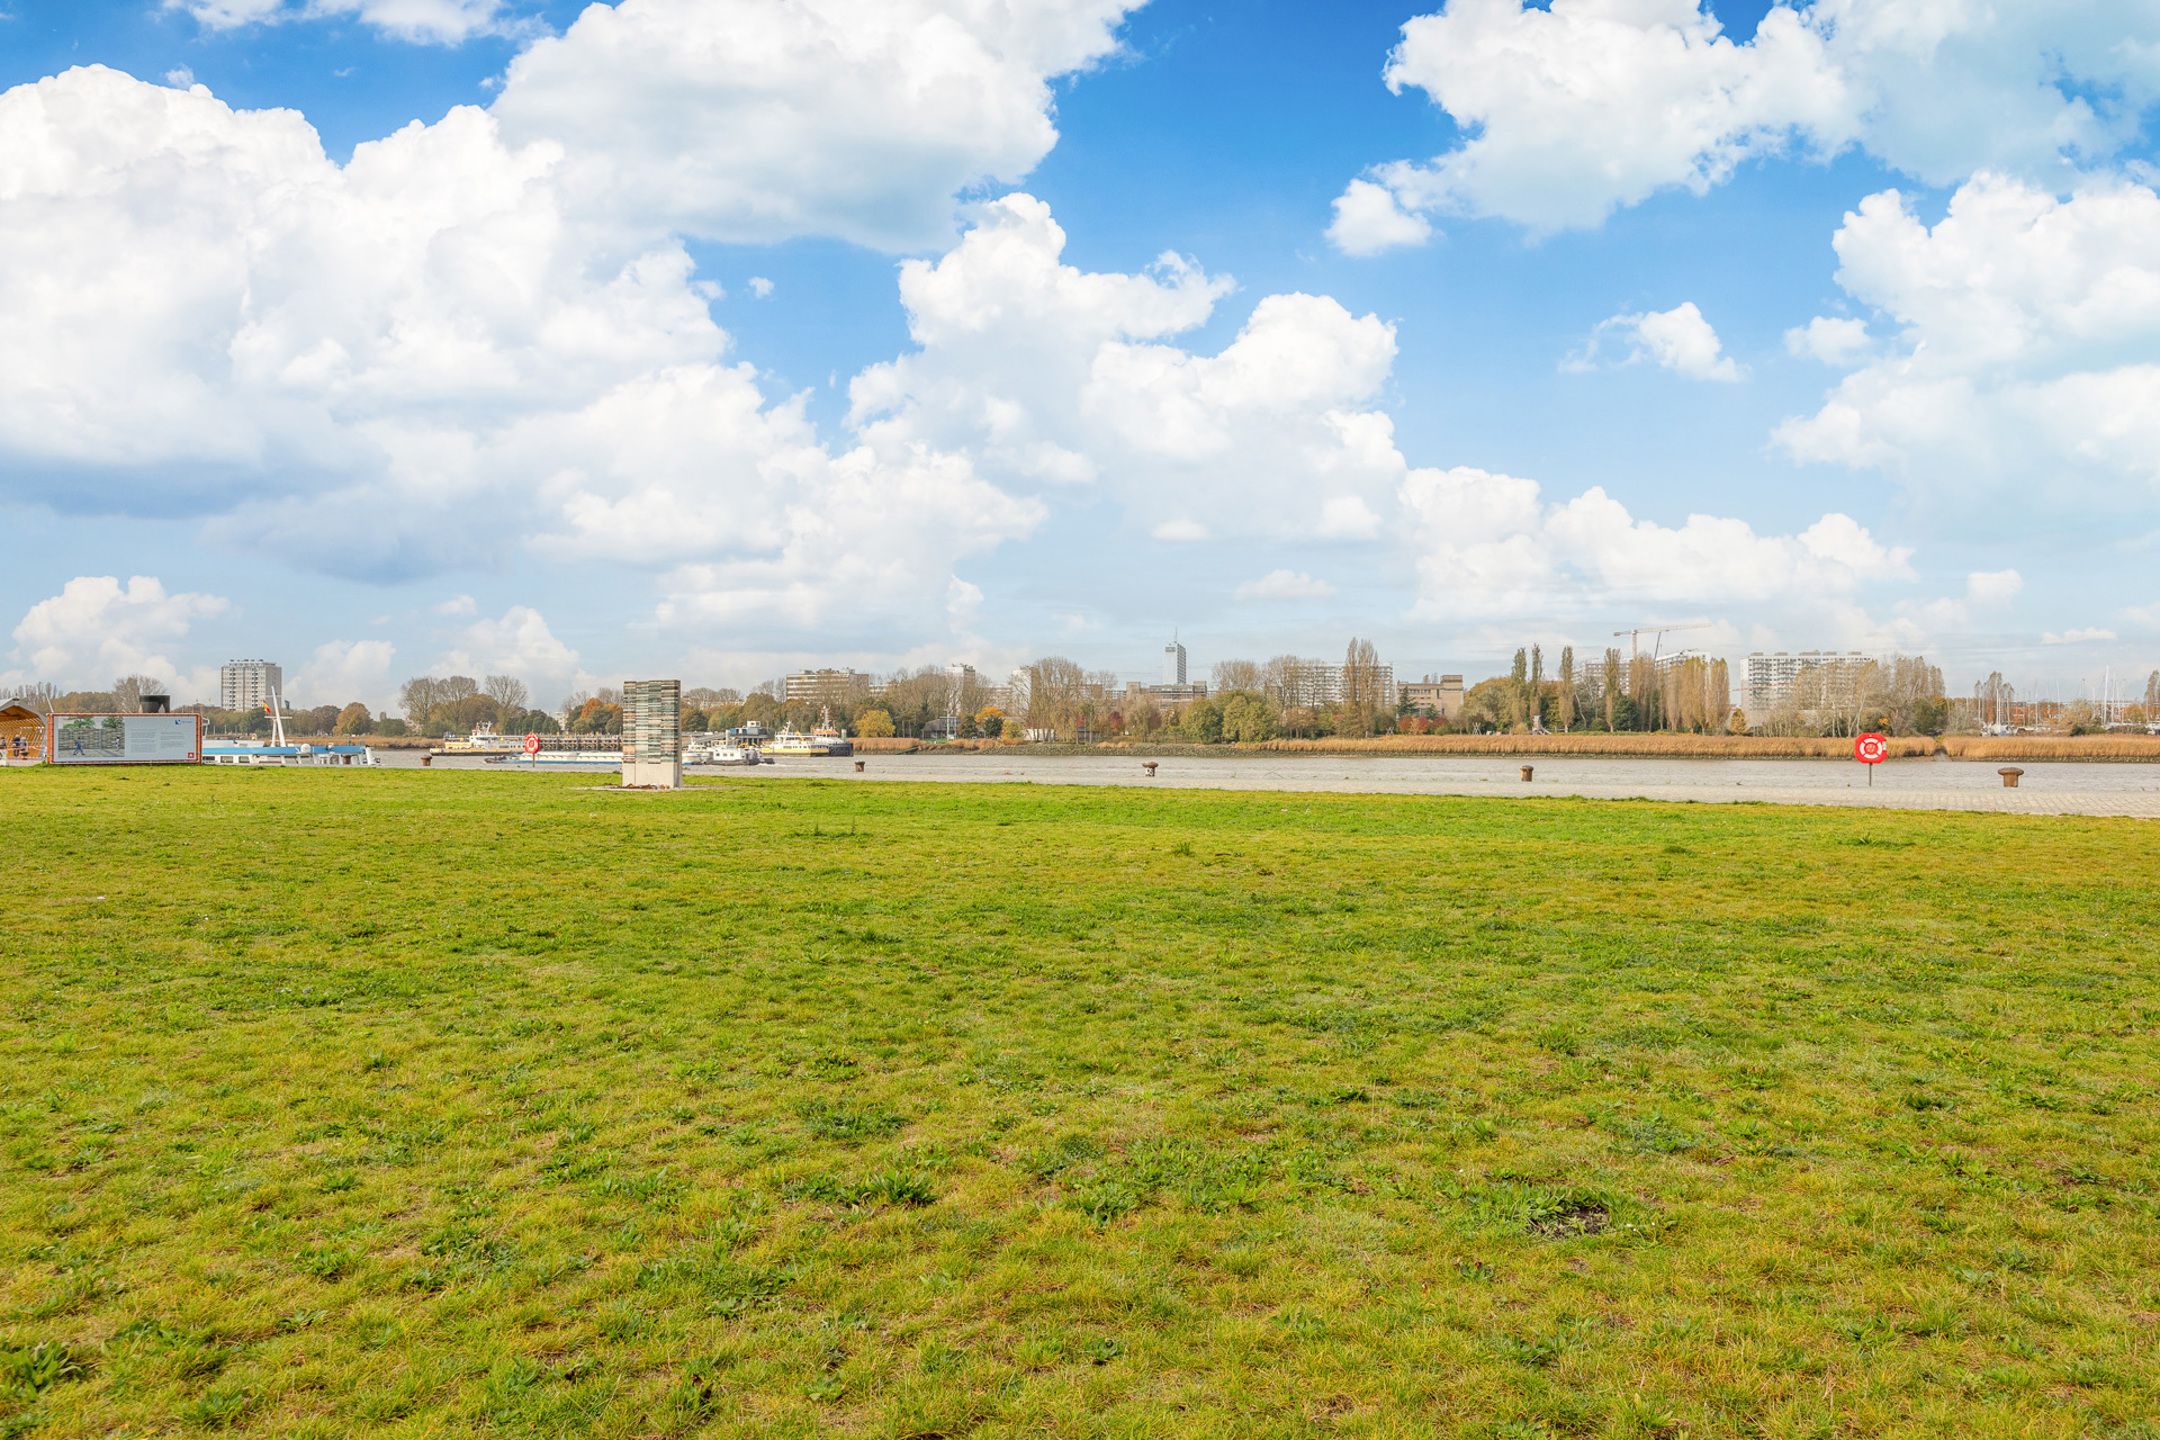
{"type": "Point", "coordinates": [2010, 775]}
{"type": "Point", "coordinates": [1526, 773]}
{"type": "Point", "coordinates": [1149, 766]}
{"type": "Point", "coordinates": [858, 767]}
{"type": "Point", "coordinates": [427, 761]}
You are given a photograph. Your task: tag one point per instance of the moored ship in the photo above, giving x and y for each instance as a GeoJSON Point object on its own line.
{"type": "Point", "coordinates": [824, 738]}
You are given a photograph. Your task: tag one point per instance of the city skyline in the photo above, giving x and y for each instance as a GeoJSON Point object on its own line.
{"type": "Point", "coordinates": [816, 682]}
{"type": "Point", "coordinates": [388, 339]}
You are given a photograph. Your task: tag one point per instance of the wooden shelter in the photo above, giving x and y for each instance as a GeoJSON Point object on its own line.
{"type": "Point", "coordinates": [22, 734]}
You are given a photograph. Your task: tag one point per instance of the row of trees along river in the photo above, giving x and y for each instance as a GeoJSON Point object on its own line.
{"type": "Point", "coordinates": [1288, 696]}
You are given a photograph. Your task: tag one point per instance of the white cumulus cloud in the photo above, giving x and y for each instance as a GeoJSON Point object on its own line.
{"type": "Point", "coordinates": [97, 630]}
{"type": "Point", "coordinates": [1369, 219]}
{"type": "Point", "coordinates": [761, 120]}
{"type": "Point", "coordinates": [449, 334]}
{"type": "Point", "coordinates": [1052, 376]}
{"type": "Point", "coordinates": [1572, 110]}
{"type": "Point", "coordinates": [518, 642]}
{"type": "Point", "coordinates": [1679, 339]}
{"type": "Point", "coordinates": [1834, 340]}
{"type": "Point", "coordinates": [2023, 375]}
{"type": "Point", "coordinates": [342, 671]}
{"type": "Point", "coordinates": [1492, 544]}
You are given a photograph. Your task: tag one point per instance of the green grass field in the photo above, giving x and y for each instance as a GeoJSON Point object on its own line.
{"type": "Point", "coordinates": [444, 1104]}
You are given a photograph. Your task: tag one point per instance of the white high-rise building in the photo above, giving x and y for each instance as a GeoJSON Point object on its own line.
{"type": "Point", "coordinates": [1173, 664]}
{"type": "Point", "coordinates": [825, 687]}
{"type": "Point", "coordinates": [249, 684]}
{"type": "Point", "coordinates": [1811, 679]}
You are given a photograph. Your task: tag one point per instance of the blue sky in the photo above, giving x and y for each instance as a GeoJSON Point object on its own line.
{"type": "Point", "coordinates": [703, 344]}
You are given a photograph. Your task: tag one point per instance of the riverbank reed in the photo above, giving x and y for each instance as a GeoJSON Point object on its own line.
{"type": "Point", "coordinates": [1668, 747]}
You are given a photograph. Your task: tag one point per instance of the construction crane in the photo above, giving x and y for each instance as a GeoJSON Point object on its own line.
{"type": "Point", "coordinates": [1658, 634]}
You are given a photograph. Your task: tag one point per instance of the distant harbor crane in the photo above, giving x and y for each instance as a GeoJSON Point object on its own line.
{"type": "Point", "coordinates": [1657, 634]}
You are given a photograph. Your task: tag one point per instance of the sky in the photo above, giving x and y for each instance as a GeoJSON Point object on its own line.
{"type": "Point", "coordinates": [710, 338]}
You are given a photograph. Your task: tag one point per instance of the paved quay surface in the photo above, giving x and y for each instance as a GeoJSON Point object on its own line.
{"type": "Point", "coordinates": [2047, 788]}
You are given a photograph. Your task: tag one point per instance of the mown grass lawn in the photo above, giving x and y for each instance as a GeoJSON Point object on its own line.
{"type": "Point", "coordinates": [438, 1104]}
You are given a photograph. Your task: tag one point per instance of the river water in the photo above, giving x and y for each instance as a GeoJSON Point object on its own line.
{"type": "Point", "coordinates": [2047, 787]}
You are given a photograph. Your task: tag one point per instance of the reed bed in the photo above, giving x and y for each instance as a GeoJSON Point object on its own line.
{"type": "Point", "coordinates": [903, 745]}
{"type": "Point", "coordinates": [2052, 747]}
{"type": "Point", "coordinates": [1707, 747]}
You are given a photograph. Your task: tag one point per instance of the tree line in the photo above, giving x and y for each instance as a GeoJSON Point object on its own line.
{"type": "Point", "coordinates": [1288, 696]}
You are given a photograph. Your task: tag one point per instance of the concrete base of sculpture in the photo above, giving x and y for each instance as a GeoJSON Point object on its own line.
{"type": "Point", "coordinates": [652, 774]}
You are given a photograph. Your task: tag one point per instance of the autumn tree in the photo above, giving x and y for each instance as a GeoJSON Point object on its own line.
{"type": "Point", "coordinates": [353, 720]}
{"type": "Point", "coordinates": [426, 699]}
{"type": "Point", "coordinates": [508, 692]}
{"type": "Point", "coordinates": [596, 717]}
{"type": "Point", "coordinates": [874, 725]}
{"type": "Point", "coordinates": [1489, 705]}
{"type": "Point", "coordinates": [1363, 694]}
{"type": "Point", "coordinates": [1057, 694]}
{"type": "Point", "coordinates": [759, 707]}
{"type": "Point", "coordinates": [1564, 701]}
{"type": "Point", "coordinates": [1247, 718]}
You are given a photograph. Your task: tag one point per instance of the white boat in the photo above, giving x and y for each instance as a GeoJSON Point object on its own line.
{"type": "Point", "coordinates": [275, 751]}
{"type": "Point", "coordinates": [483, 741]}
{"type": "Point", "coordinates": [824, 739]}
{"type": "Point", "coordinates": [719, 752]}
{"type": "Point", "coordinates": [256, 752]}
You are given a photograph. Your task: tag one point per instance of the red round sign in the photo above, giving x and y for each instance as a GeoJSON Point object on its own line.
{"type": "Point", "coordinates": [1871, 749]}
{"type": "Point", "coordinates": [532, 744]}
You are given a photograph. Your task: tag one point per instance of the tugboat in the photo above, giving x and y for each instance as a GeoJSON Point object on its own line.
{"type": "Point", "coordinates": [825, 738]}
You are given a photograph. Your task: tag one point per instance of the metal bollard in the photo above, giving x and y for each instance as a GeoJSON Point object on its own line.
{"type": "Point", "coordinates": [1149, 766]}
{"type": "Point", "coordinates": [858, 767]}
{"type": "Point", "coordinates": [1527, 770]}
{"type": "Point", "coordinates": [2010, 775]}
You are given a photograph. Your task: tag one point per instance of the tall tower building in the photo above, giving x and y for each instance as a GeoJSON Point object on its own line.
{"type": "Point", "coordinates": [249, 684]}
{"type": "Point", "coordinates": [1173, 663]}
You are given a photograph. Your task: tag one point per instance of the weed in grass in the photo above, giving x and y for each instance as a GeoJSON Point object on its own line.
{"type": "Point", "coordinates": [218, 1409]}
{"type": "Point", "coordinates": [1102, 1349]}
{"type": "Point", "coordinates": [844, 1120]}
{"type": "Point", "coordinates": [38, 1366]}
